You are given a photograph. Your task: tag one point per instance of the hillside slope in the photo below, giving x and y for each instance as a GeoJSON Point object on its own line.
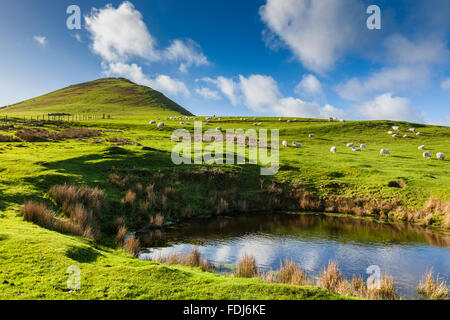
{"type": "Point", "coordinates": [116, 96]}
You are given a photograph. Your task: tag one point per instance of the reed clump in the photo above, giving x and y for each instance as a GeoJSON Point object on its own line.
{"type": "Point", "coordinates": [433, 288]}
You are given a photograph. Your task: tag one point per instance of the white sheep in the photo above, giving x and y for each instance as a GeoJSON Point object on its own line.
{"type": "Point", "coordinates": [333, 149]}
{"type": "Point", "coordinates": [285, 144]}
{"type": "Point", "coordinates": [396, 128]}
{"type": "Point", "coordinates": [356, 149]}
{"type": "Point", "coordinates": [296, 145]}
{"type": "Point", "coordinates": [350, 145]}
{"type": "Point", "coordinates": [418, 133]}
{"type": "Point", "coordinates": [421, 148]}
{"type": "Point", "coordinates": [440, 156]}
{"type": "Point", "coordinates": [390, 133]}
{"type": "Point", "coordinates": [395, 135]}
{"type": "Point", "coordinates": [187, 123]}
{"type": "Point", "coordinates": [342, 120]}
{"type": "Point", "coordinates": [363, 147]}
{"type": "Point", "coordinates": [312, 135]}
{"type": "Point", "coordinates": [153, 122]}
{"type": "Point", "coordinates": [289, 121]}
{"type": "Point", "coordinates": [160, 125]}
{"type": "Point", "coordinates": [426, 155]}
{"type": "Point", "coordinates": [385, 152]}
{"type": "Point", "coordinates": [405, 136]}
{"type": "Point", "coordinates": [257, 124]}
{"type": "Point", "coordinates": [412, 129]}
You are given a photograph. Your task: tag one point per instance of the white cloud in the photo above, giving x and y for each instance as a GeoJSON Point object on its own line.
{"type": "Point", "coordinates": [292, 107]}
{"type": "Point", "coordinates": [317, 32]}
{"type": "Point", "coordinates": [309, 86]}
{"type": "Point", "coordinates": [396, 79]}
{"type": "Point", "coordinates": [446, 84]}
{"type": "Point", "coordinates": [227, 86]}
{"type": "Point", "coordinates": [260, 92]}
{"type": "Point", "coordinates": [387, 107]}
{"type": "Point", "coordinates": [403, 51]}
{"type": "Point", "coordinates": [187, 53]}
{"type": "Point", "coordinates": [207, 93]}
{"type": "Point", "coordinates": [119, 34]}
{"type": "Point", "coordinates": [41, 40]}
{"type": "Point", "coordinates": [162, 83]}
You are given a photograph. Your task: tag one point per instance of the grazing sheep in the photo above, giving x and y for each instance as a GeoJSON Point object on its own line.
{"type": "Point", "coordinates": [167, 118]}
{"type": "Point", "coordinates": [312, 135]}
{"type": "Point", "coordinates": [421, 148]}
{"type": "Point", "coordinates": [289, 121]}
{"type": "Point", "coordinates": [396, 128]}
{"type": "Point", "coordinates": [395, 135]}
{"type": "Point", "coordinates": [160, 125]}
{"type": "Point", "coordinates": [153, 122]}
{"type": "Point", "coordinates": [296, 145]}
{"type": "Point", "coordinates": [440, 156]}
{"type": "Point", "coordinates": [390, 133]}
{"type": "Point", "coordinates": [257, 124]}
{"type": "Point", "coordinates": [285, 144]}
{"type": "Point", "coordinates": [350, 145]}
{"type": "Point", "coordinates": [363, 147]}
{"type": "Point", "coordinates": [181, 122]}
{"type": "Point", "coordinates": [280, 119]}
{"type": "Point", "coordinates": [219, 128]}
{"type": "Point", "coordinates": [418, 133]}
{"type": "Point", "coordinates": [356, 149]}
{"type": "Point", "coordinates": [405, 136]}
{"type": "Point", "coordinates": [385, 152]}
{"type": "Point", "coordinates": [333, 149]}
{"type": "Point", "coordinates": [426, 155]}
{"type": "Point", "coordinates": [342, 120]}
{"type": "Point", "coordinates": [187, 123]}
{"type": "Point", "coordinates": [412, 129]}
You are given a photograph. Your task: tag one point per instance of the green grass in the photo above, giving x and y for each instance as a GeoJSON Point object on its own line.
{"type": "Point", "coordinates": [35, 260]}
{"type": "Point", "coordinates": [34, 263]}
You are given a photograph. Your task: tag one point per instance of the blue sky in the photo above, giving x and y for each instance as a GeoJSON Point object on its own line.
{"type": "Point", "coordinates": [301, 58]}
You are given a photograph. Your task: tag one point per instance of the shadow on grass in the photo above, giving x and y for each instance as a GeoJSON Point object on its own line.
{"type": "Point", "coordinates": [3, 237]}
{"type": "Point", "coordinates": [83, 254]}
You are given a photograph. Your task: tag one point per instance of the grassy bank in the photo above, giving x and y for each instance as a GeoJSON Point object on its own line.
{"type": "Point", "coordinates": [34, 263]}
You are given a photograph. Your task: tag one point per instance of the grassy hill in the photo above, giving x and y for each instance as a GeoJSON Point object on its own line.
{"type": "Point", "coordinates": [115, 96]}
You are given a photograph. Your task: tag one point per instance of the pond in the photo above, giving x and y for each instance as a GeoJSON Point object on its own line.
{"type": "Point", "coordinates": [403, 251]}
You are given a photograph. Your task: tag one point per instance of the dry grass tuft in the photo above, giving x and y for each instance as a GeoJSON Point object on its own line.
{"type": "Point", "coordinates": [192, 259]}
{"type": "Point", "coordinates": [386, 290]}
{"type": "Point", "coordinates": [133, 246]}
{"type": "Point", "coordinates": [331, 277]}
{"type": "Point", "coordinates": [246, 267]}
{"type": "Point", "coordinates": [291, 273]}
{"type": "Point", "coordinates": [39, 214]}
{"type": "Point", "coordinates": [120, 236]}
{"type": "Point", "coordinates": [433, 288]}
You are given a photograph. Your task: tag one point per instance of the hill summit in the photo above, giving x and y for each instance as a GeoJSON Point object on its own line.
{"type": "Point", "coordinates": [117, 96]}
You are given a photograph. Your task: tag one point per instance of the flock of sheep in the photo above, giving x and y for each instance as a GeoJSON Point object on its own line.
{"type": "Point", "coordinates": [334, 149]}
{"type": "Point", "coordinates": [383, 152]}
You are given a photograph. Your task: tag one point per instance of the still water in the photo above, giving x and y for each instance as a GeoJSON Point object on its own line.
{"type": "Point", "coordinates": [403, 251]}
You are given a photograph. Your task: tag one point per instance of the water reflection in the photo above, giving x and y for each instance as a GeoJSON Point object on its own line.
{"type": "Point", "coordinates": [406, 252]}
